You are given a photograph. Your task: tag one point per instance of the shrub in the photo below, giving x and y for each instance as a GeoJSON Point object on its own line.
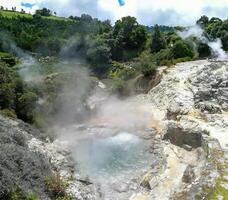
{"type": "Point", "coordinates": [7, 86]}
{"type": "Point", "coordinates": [9, 113]}
{"type": "Point", "coordinates": [158, 41]}
{"type": "Point", "coordinates": [185, 59]}
{"type": "Point", "coordinates": [203, 50]}
{"type": "Point", "coordinates": [26, 104]}
{"type": "Point", "coordinates": [56, 187]}
{"type": "Point", "coordinates": [175, 61]}
{"type": "Point", "coordinates": [19, 195]}
{"type": "Point", "coordinates": [120, 87]}
{"type": "Point", "coordinates": [182, 49]}
{"type": "Point", "coordinates": [163, 55]}
{"type": "Point", "coordinates": [146, 65]}
{"type": "Point", "coordinates": [121, 71]}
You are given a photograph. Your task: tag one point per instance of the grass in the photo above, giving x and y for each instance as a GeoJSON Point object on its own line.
{"type": "Point", "coordinates": [219, 190]}
{"type": "Point", "coordinates": [58, 18]}
{"type": "Point", "coordinates": [56, 187]}
{"type": "Point", "coordinates": [19, 195]}
{"type": "Point", "coordinates": [4, 54]}
{"type": "Point", "coordinates": [11, 14]}
{"type": "Point", "coordinates": [15, 14]}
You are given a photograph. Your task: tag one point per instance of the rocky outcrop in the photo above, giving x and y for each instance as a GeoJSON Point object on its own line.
{"type": "Point", "coordinates": [20, 168]}
{"type": "Point", "coordinates": [27, 159]}
{"type": "Point", "coordinates": [210, 87]}
{"type": "Point", "coordinates": [189, 174]}
{"type": "Point", "coordinates": [182, 137]}
{"type": "Point", "coordinates": [143, 84]}
{"type": "Point", "coordinates": [192, 102]}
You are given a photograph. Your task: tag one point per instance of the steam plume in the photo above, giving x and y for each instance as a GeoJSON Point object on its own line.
{"type": "Point", "coordinates": [216, 45]}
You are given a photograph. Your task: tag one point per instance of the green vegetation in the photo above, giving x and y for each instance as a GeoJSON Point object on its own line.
{"type": "Point", "coordinates": [118, 53]}
{"type": "Point", "coordinates": [19, 195]}
{"type": "Point", "coordinates": [219, 190]}
{"type": "Point", "coordinates": [128, 38]}
{"type": "Point", "coordinates": [11, 14]}
{"type": "Point", "coordinates": [56, 187]}
{"type": "Point", "coordinates": [215, 28]}
{"type": "Point", "coordinates": [16, 96]}
{"type": "Point", "coordinates": [182, 49]}
{"type": "Point", "coordinates": [158, 41]}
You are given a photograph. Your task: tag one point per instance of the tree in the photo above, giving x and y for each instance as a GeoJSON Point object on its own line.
{"type": "Point", "coordinates": [132, 34]}
{"type": "Point", "coordinates": [158, 41]}
{"type": "Point", "coordinates": [215, 20]}
{"type": "Point", "coordinates": [22, 11]}
{"type": "Point", "coordinates": [203, 21]}
{"type": "Point", "coordinates": [224, 39]}
{"type": "Point", "coordinates": [37, 17]}
{"type": "Point", "coordinates": [99, 56]}
{"type": "Point", "coordinates": [182, 49]}
{"type": "Point", "coordinates": [26, 105]}
{"type": "Point", "coordinates": [15, 94]}
{"type": "Point", "coordinates": [105, 27]}
{"type": "Point", "coordinates": [14, 9]}
{"type": "Point", "coordinates": [203, 50]}
{"type": "Point", "coordinates": [128, 35]}
{"type": "Point", "coordinates": [7, 87]}
{"type": "Point", "coordinates": [44, 12]}
{"type": "Point", "coordinates": [146, 65]}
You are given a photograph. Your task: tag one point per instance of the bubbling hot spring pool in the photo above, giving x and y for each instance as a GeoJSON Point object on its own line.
{"type": "Point", "coordinates": [112, 158]}
{"type": "Point", "coordinates": [108, 157]}
{"type": "Point", "coordinates": [115, 148]}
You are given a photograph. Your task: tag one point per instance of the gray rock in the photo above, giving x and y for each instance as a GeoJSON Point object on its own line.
{"type": "Point", "coordinates": [20, 168]}
{"type": "Point", "coordinates": [189, 174]}
{"type": "Point", "coordinates": [180, 136]}
{"type": "Point", "coordinates": [209, 107]}
{"type": "Point", "coordinates": [187, 147]}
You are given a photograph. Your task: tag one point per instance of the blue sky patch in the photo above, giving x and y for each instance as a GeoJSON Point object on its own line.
{"type": "Point", "coordinates": [27, 5]}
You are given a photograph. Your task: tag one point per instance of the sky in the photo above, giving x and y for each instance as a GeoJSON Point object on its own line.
{"type": "Point", "coordinates": [148, 12]}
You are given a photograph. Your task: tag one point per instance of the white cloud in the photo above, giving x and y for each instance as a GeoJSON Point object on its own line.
{"type": "Point", "coordinates": [17, 3]}
{"type": "Point", "coordinates": [174, 12]}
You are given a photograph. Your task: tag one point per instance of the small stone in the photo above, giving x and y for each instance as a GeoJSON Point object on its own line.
{"type": "Point", "coordinates": [187, 147]}
{"type": "Point", "coordinates": [189, 174]}
{"type": "Point", "coordinates": [153, 182]}
{"type": "Point", "coordinates": [145, 181]}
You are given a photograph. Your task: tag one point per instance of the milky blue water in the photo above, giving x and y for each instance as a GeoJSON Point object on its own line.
{"type": "Point", "coordinates": [111, 156]}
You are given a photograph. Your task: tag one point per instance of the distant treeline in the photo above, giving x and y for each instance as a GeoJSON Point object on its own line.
{"type": "Point", "coordinates": [99, 43]}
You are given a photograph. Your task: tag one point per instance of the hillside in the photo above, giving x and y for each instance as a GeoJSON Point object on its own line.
{"type": "Point", "coordinates": [15, 14]}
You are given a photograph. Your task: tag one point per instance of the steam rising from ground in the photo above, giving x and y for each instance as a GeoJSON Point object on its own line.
{"type": "Point", "coordinates": [216, 45]}
{"type": "Point", "coordinates": [105, 137]}
{"type": "Point", "coordinates": [9, 46]}
{"type": "Point", "coordinates": [127, 113]}
{"type": "Point", "coordinates": [27, 61]}
{"type": "Point", "coordinates": [109, 145]}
